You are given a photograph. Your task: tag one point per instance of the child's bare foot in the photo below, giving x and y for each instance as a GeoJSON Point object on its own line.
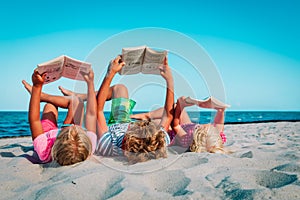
{"type": "Point", "coordinates": [27, 86]}
{"type": "Point", "coordinates": [66, 92]}
{"type": "Point", "coordinates": [181, 101]}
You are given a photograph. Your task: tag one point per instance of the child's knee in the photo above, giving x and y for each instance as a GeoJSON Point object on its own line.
{"type": "Point", "coordinates": [120, 90]}
{"type": "Point", "coordinates": [50, 112]}
{"type": "Point", "coordinates": [49, 107]}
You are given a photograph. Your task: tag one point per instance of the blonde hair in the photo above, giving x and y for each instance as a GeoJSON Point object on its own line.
{"type": "Point", "coordinates": [207, 139]}
{"type": "Point", "coordinates": [71, 146]}
{"type": "Point", "coordinates": [144, 141]}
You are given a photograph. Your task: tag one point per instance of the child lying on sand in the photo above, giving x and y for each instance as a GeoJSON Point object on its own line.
{"type": "Point", "coordinates": [71, 143]}
{"type": "Point", "coordinates": [142, 140]}
{"type": "Point", "coordinates": [196, 137]}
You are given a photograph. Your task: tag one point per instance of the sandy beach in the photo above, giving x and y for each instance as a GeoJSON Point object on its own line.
{"type": "Point", "coordinates": [265, 164]}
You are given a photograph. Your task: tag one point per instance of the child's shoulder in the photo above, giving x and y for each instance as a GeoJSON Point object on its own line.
{"type": "Point", "coordinates": [52, 134]}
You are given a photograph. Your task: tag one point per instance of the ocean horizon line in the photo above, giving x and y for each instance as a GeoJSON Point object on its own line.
{"type": "Point", "coordinates": [226, 123]}
{"type": "Point", "coordinates": [15, 123]}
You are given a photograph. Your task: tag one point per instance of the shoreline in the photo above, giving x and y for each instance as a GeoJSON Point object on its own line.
{"type": "Point", "coordinates": [226, 123]}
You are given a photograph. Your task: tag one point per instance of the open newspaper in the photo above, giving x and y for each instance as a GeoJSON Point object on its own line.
{"type": "Point", "coordinates": [210, 102]}
{"type": "Point", "coordinates": [63, 66]}
{"type": "Point", "coordinates": [142, 59]}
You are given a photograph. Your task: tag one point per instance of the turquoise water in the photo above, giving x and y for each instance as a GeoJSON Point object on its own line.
{"type": "Point", "coordinates": [14, 124]}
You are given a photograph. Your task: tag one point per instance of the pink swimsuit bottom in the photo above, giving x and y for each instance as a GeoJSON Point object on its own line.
{"type": "Point", "coordinates": [186, 140]}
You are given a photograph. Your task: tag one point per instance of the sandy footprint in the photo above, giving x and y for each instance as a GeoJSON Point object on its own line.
{"type": "Point", "coordinates": [290, 167]}
{"type": "Point", "coordinates": [70, 183]}
{"type": "Point", "coordinates": [243, 154]}
{"type": "Point", "coordinates": [189, 160]}
{"type": "Point", "coordinates": [289, 156]}
{"type": "Point", "coordinates": [233, 190]}
{"type": "Point", "coordinates": [272, 179]}
{"type": "Point", "coordinates": [173, 182]}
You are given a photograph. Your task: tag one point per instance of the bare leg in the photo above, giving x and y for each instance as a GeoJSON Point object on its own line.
{"type": "Point", "coordinates": [181, 116]}
{"type": "Point", "coordinates": [75, 111]}
{"type": "Point", "coordinates": [153, 115]}
{"type": "Point", "coordinates": [50, 112]}
{"type": "Point", "coordinates": [58, 101]}
{"type": "Point", "coordinates": [72, 103]}
{"type": "Point", "coordinates": [115, 91]}
{"type": "Point", "coordinates": [219, 119]}
{"type": "Point", "coordinates": [158, 113]}
{"type": "Point", "coordinates": [67, 92]}
{"type": "Point", "coordinates": [184, 117]}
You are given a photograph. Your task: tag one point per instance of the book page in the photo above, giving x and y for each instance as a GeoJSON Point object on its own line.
{"type": "Point", "coordinates": [152, 61]}
{"type": "Point", "coordinates": [52, 68]}
{"type": "Point", "coordinates": [73, 68]}
{"type": "Point", "coordinates": [133, 58]}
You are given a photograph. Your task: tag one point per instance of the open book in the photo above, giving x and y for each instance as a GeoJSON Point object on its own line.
{"type": "Point", "coordinates": [210, 102]}
{"type": "Point", "coordinates": [142, 59]}
{"type": "Point", "coordinates": [63, 66]}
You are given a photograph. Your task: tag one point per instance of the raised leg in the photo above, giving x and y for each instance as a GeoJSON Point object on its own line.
{"type": "Point", "coordinates": [50, 112]}
{"type": "Point", "coordinates": [180, 115]}
{"type": "Point", "coordinates": [153, 115]}
{"type": "Point", "coordinates": [72, 103]}
{"type": "Point", "coordinates": [115, 91]}
{"type": "Point", "coordinates": [67, 92]}
{"type": "Point", "coordinates": [219, 119]}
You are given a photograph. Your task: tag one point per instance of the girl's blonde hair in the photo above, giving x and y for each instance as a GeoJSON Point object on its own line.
{"type": "Point", "coordinates": [207, 139]}
{"type": "Point", "coordinates": [144, 141]}
{"type": "Point", "coordinates": [71, 146]}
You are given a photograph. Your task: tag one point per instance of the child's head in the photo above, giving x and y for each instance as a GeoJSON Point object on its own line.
{"type": "Point", "coordinates": [207, 139]}
{"type": "Point", "coordinates": [144, 141]}
{"type": "Point", "coordinates": [72, 145]}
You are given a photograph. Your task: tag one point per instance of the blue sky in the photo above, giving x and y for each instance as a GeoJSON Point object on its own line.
{"type": "Point", "coordinates": [255, 45]}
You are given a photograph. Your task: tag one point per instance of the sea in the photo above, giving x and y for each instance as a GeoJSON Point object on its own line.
{"type": "Point", "coordinates": [15, 123]}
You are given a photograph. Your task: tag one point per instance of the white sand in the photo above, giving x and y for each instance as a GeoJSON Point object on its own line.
{"type": "Point", "coordinates": [265, 165]}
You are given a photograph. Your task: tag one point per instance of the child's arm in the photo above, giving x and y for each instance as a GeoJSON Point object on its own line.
{"type": "Point", "coordinates": [103, 92]}
{"type": "Point", "coordinates": [34, 105]}
{"type": "Point", "coordinates": [167, 117]}
{"type": "Point", "coordinates": [91, 116]}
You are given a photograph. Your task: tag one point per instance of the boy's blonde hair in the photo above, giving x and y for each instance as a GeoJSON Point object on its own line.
{"type": "Point", "coordinates": [72, 145]}
{"type": "Point", "coordinates": [144, 141]}
{"type": "Point", "coordinates": [207, 139]}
